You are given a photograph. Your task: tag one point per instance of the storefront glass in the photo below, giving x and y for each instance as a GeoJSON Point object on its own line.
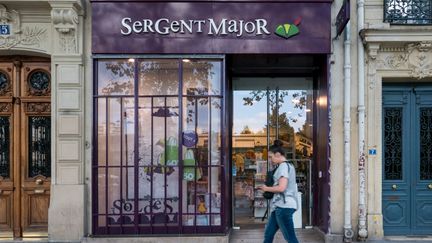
{"type": "Point", "coordinates": [266, 109]}
{"type": "Point", "coordinates": [144, 125]}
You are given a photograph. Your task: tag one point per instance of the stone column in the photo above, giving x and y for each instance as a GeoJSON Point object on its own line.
{"type": "Point", "coordinates": [67, 205]}
{"type": "Point", "coordinates": [373, 141]}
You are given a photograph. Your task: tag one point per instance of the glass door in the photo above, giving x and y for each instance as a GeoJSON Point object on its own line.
{"type": "Point", "coordinates": [265, 109]}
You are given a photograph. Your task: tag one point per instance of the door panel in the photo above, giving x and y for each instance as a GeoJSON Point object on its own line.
{"type": "Point", "coordinates": [6, 205]}
{"type": "Point", "coordinates": [6, 155]}
{"type": "Point", "coordinates": [35, 212]}
{"type": "Point", "coordinates": [396, 213]}
{"type": "Point", "coordinates": [422, 156]}
{"type": "Point", "coordinates": [25, 146]}
{"type": "Point", "coordinates": [407, 160]}
{"type": "Point", "coordinates": [36, 135]}
{"type": "Point", "coordinates": [396, 197]}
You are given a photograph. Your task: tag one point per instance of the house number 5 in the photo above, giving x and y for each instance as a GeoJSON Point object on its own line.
{"type": "Point", "coordinates": [4, 29]}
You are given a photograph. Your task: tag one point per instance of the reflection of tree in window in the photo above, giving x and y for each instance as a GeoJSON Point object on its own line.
{"type": "Point", "coordinates": [159, 77]}
{"type": "Point", "coordinates": [286, 121]}
{"type": "Point", "coordinates": [201, 78]}
{"type": "Point", "coordinates": [299, 100]}
{"type": "Point", "coordinates": [121, 78]}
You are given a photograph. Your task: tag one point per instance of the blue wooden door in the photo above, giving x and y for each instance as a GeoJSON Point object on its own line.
{"type": "Point", "coordinates": [407, 160]}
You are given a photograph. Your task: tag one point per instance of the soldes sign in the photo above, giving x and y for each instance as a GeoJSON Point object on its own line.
{"type": "Point", "coordinates": [165, 26]}
{"type": "Point", "coordinates": [156, 205]}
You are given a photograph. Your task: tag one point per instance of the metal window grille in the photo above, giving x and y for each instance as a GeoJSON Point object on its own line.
{"type": "Point", "coordinates": [415, 12]}
{"type": "Point", "coordinates": [133, 167]}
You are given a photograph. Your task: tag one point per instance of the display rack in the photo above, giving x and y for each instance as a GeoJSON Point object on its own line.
{"type": "Point", "coordinates": [260, 203]}
{"type": "Point", "coordinates": [304, 183]}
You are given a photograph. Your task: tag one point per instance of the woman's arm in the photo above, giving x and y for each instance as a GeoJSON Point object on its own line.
{"type": "Point", "coordinates": [282, 185]}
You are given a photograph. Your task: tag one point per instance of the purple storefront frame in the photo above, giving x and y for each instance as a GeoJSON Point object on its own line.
{"type": "Point", "coordinates": [314, 38]}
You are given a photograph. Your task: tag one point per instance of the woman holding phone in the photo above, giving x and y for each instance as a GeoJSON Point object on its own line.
{"type": "Point", "coordinates": [284, 201]}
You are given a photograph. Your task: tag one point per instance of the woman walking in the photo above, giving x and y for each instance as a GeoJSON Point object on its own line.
{"type": "Point", "coordinates": [284, 201]}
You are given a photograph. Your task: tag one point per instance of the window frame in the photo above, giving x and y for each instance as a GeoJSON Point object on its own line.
{"type": "Point", "coordinates": [180, 228]}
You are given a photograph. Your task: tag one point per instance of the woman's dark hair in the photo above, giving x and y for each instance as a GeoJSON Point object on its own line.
{"type": "Point", "coordinates": [277, 147]}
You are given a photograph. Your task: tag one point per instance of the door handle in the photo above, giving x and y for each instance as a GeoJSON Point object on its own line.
{"type": "Point", "coordinates": [430, 186]}
{"type": "Point", "coordinates": [39, 191]}
{"type": "Point", "coordinates": [394, 187]}
{"type": "Point", "coordinates": [39, 182]}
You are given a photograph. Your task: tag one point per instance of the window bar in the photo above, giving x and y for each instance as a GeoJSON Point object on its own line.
{"type": "Point", "coordinates": [268, 127]}
{"type": "Point", "coordinates": [180, 147]}
{"type": "Point", "coordinates": [268, 143]}
{"type": "Point", "coordinates": [95, 172]}
{"type": "Point", "coordinates": [277, 112]}
{"type": "Point", "coordinates": [223, 112]}
{"type": "Point", "coordinates": [136, 147]}
{"type": "Point", "coordinates": [121, 162]}
{"type": "Point", "coordinates": [430, 15]}
{"type": "Point", "coordinates": [106, 163]}
{"type": "Point", "coordinates": [151, 166]}
{"type": "Point", "coordinates": [196, 164]}
{"type": "Point", "coordinates": [165, 169]}
{"type": "Point", "coordinates": [209, 169]}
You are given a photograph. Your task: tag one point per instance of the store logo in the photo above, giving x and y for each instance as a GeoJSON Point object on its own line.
{"type": "Point", "coordinates": [288, 30]}
{"type": "Point", "coordinates": [211, 27]}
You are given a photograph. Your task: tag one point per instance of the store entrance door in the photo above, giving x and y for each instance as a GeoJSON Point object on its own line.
{"type": "Point", "coordinates": [265, 109]}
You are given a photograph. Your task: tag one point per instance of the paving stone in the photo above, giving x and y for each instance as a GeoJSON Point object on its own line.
{"type": "Point", "coordinates": [257, 236]}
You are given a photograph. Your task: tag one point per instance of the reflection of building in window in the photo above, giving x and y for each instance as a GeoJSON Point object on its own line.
{"type": "Point", "coordinates": [303, 145]}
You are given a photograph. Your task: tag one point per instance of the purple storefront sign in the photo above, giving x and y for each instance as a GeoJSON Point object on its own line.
{"type": "Point", "coordinates": [210, 27]}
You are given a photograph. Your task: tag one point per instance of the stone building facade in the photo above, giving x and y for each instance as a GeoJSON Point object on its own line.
{"type": "Point", "coordinates": [57, 39]}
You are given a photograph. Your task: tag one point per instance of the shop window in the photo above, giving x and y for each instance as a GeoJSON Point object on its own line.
{"type": "Point", "coordinates": [157, 163]}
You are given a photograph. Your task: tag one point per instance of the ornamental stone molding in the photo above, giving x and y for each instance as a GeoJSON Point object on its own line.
{"type": "Point", "coordinates": [420, 59]}
{"type": "Point", "coordinates": [65, 19]}
{"type": "Point", "coordinates": [29, 36]}
{"type": "Point", "coordinates": [371, 61]}
{"type": "Point", "coordinates": [11, 17]}
{"type": "Point", "coordinates": [414, 58]}
{"type": "Point", "coordinates": [68, 42]}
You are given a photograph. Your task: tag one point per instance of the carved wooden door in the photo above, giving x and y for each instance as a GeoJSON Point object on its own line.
{"type": "Point", "coordinates": [25, 146]}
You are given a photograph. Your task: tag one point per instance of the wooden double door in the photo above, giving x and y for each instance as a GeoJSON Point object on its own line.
{"type": "Point", "coordinates": [25, 146]}
{"type": "Point", "coordinates": [407, 159]}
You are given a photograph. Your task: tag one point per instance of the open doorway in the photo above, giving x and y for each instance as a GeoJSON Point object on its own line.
{"type": "Point", "coordinates": [265, 109]}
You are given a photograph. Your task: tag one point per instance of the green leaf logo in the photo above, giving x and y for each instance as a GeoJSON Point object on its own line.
{"type": "Point", "coordinates": [288, 30]}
